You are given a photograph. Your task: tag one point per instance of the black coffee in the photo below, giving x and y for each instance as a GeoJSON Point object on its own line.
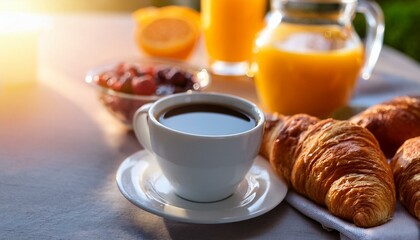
{"type": "Point", "coordinates": [207, 119]}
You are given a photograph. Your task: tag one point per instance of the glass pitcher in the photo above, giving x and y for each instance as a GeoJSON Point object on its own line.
{"type": "Point", "coordinates": [309, 57]}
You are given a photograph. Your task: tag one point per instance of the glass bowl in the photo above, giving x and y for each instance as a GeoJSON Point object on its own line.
{"type": "Point", "coordinates": [123, 103]}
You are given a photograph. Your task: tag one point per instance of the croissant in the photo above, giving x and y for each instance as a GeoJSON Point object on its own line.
{"type": "Point", "coordinates": [337, 164]}
{"type": "Point", "coordinates": [281, 135]}
{"type": "Point", "coordinates": [406, 168]}
{"type": "Point", "coordinates": [392, 122]}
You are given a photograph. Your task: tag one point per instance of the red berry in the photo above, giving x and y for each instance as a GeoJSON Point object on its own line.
{"type": "Point", "coordinates": [148, 70]}
{"type": "Point", "coordinates": [111, 81]}
{"type": "Point", "coordinates": [123, 85]}
{"type": "Point", "coordinates": [161, 75]}
{"type": "Point", "coordinates": [177, 77]}
{"type": "Point", "coordinates": [144, 85]}
{"type": "Point", "coordinates": [121, 68]}
{"type": "Point", "coordinates": [101, 80]}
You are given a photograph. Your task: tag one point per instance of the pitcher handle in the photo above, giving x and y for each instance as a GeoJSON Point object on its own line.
{"type": "Point", "coordinates": [374, 34]}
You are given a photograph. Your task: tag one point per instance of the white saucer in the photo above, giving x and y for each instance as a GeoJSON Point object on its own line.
{"type": "Point", "coordinates": [140, 180]}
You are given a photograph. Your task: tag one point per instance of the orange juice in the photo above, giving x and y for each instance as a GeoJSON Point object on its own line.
{"type": "Point", "coordinates": [312, 72]}
{"type": "Point", "coordinates": [230, 27]}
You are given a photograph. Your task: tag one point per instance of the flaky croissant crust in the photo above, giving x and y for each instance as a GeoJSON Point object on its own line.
{"type": "Point", "coordinates": [340, 165]}
{"type": "Point", "coordinates": [392, 122]}
{"type": "Point", "coordinates": [335, 163]}
{"type": "Point", "coordinates": [406, 168]}
{"type": "Point", "coordinates": [281, 136]}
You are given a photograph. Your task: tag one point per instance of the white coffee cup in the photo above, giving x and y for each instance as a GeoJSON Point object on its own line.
{"type": "Point", "coordinates": [200, 167]}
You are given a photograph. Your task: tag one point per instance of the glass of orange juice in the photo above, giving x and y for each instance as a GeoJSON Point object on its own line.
{"type": "Point", "coordinates": [230, 28]}
{"type": "Point", "coordinates": [309, 57]}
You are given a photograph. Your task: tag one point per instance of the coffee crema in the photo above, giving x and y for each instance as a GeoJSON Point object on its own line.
{"type": "Point", "coordinates": [207, 119]}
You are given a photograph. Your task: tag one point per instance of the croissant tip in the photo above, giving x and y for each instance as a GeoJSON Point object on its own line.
{"type": "Point", "coordinates": [361, 219]}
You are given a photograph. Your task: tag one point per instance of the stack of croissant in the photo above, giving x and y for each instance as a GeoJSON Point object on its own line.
{"type": "Point", "coordinates": [343, 164]}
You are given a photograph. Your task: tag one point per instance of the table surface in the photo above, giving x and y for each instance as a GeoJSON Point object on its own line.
{"type": "Point", "coordinates": [60, 149]}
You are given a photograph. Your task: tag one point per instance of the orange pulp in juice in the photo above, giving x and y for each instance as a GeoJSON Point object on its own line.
{"type": "Point", "coordinates": [313, 72]}
{"type": "Point", "coordinates": [230, 27]}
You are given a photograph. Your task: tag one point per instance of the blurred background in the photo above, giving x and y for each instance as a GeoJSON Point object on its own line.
{"type": "Point", "coordinates": [401, 16]}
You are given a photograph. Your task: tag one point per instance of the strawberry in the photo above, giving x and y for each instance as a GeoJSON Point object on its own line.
{"type": "Point", "coordinates": [143, 85]}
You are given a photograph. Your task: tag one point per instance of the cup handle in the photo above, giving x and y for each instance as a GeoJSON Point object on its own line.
{"type": "Point", "coordinates": [374, 34]}
{"type": "Point", "coordinates": [141, 127]}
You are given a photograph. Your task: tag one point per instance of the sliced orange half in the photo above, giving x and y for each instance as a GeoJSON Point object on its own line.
{"type": "Point", "coordinates": [171, 31]}
{"type": "Point", "coordinates": [145, 13]}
